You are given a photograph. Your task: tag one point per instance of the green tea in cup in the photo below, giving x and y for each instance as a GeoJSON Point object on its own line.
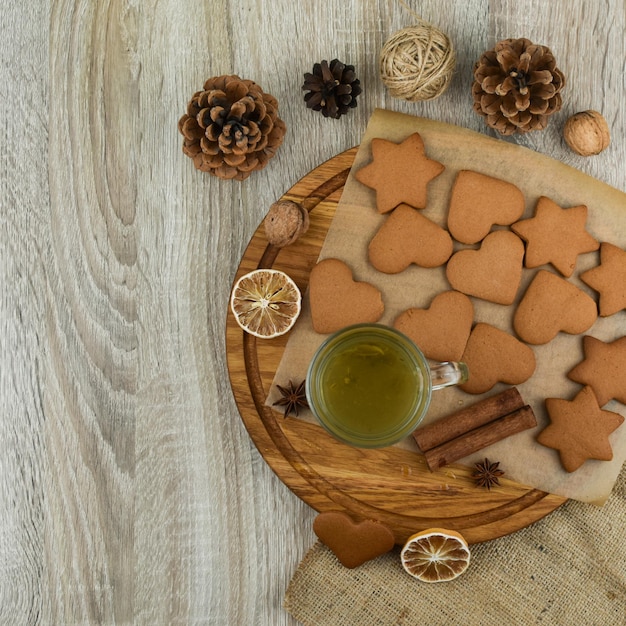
{"type": "Point", "coordinates": [369, 385]}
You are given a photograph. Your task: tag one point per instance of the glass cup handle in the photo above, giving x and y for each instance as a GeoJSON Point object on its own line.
{"type": "Point", "coordinates": [448, 373]}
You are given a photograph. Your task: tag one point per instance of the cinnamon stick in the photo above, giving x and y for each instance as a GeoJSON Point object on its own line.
{"type": "Point", "coordinates": [481, 437]}
{"type": "Point", "coordinates": [467, 419]}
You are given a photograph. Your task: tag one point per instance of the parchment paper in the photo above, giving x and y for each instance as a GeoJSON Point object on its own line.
{"type": "Point", "coordinates": [355, 223]}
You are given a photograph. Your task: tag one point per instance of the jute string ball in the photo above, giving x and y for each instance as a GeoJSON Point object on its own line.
{"type": "Point", "coordinates": [417, 62]}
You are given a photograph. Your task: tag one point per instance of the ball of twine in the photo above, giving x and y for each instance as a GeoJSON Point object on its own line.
{"type": "Point", "coordinates": [417, 62]}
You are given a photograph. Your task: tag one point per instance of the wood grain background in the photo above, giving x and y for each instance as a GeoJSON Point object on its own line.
{"type": "Point", "coordinates": [131, 492]}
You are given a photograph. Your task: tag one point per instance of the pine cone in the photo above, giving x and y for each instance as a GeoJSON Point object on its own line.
{"type": "Point", "coordinates": [517, 86]}
{"type": "Point", "coordinates": [231, 128]}
{"type": "Point", "coordinates": [332, 90]}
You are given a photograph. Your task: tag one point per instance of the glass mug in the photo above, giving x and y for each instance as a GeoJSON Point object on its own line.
{"type": "Point", "coordinates": [369, 385]}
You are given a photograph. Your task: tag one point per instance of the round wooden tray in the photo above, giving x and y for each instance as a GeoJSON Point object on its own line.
{"type": "Point", "coordinates": [391, 485]}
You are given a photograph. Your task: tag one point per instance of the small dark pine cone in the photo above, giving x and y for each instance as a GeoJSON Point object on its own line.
{"type": "Point", "coordinates": [517, 86]}
{"type": "Point", "coordinates": [332, 89]}
{"type": "Point", "coordinates": [231, 127]}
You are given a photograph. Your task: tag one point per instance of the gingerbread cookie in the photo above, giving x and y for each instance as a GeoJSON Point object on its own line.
{"type": "Point", "coordinates": [352, 543]}
{"type": "Point", "coordinates": [493, 356]}
{"type": "Point", "coordinates": [337, 300]}
{"type": "Point", "coordinates": [552, 305]}
{"type": "Point", "coordinates": [609, 279]}
{"type": "Point", "coordinates": [579, 429]}
{"type": "Point", "coordinates": [442, 330]}
{"type": "Point", "coordinates": [603, 369]}
{"type": "Point", "coordinates": [399, 173]}
{"type": "Point", "coordinates": [407, 237]}
{"type": "Point", "coordinates": [555, 235]}
{"type": "Point", "coordinates": [493, 272]}
{"type": "Point", "coordinates": [478, 202]}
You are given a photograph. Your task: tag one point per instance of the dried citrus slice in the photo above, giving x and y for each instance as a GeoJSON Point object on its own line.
{"type": "Point", "coordinates": [435, 555]}
{"type": "Point", "coordinates": [266, 303]}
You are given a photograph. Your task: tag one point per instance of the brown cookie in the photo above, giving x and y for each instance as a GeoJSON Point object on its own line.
{"type": "Point", "coordinates": [337, 300]}
{"type": "Point", "coordinates": [494, 356]}
{"type": "Point", "coordinates": [407, 237]}
{"type": "Point", "coordinates": [579, 429]}
{"type": "Point", "coordinates": [609, 279]}
{"type": "Point", "coordinates": [552, 305]}
{"type": "Point", "coordinates": [399, 173]}
{"type": "Point", "coordinates": [603, 369]}
{"type": "Point", "coordinates": [478, 202]}
{"type": "Point", "coordinates": [493, 272]}
{"type": "Point", "coordinates": [352, 543]}
{"type": "Point", "coordinates": [441, 331]}
{"type": "Point", "coordinates": [555, 235]}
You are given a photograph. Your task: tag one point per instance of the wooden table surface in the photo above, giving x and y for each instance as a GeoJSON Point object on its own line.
{"type": "Point", "coordinates": [131, 492]}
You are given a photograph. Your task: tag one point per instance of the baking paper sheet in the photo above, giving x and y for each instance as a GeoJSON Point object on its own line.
{"type": "Point", "coordinates": [355, 223]}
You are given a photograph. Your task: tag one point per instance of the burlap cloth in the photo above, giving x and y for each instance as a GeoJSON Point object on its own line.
{"type": "Point", "coordinates": [568, 568]}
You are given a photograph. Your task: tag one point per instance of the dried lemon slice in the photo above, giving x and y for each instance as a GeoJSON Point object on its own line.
{"type": "Point", "coordinates": [435, 555]}
{"type": "Point", "coordinates": [266, 303]}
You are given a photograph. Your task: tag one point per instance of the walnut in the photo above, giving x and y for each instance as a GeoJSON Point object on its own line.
{"type": "Point", "coordinates": [587, 133]}
{"type": "Point", "coordinates": [285, 222]}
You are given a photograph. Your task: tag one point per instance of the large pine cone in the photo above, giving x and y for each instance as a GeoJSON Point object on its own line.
{"type": "Point", "coordinates": [517, 86]}
{"type": "Point", "coordinates": [231, 128]}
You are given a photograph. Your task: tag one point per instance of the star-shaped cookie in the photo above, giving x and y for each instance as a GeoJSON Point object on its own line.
{"type": "Point", "coordinates": [399, 173]}
{"type": "Point", "coordinates": [603, 369]}
{"type": "Point", "coordinates": [609, 279]}
{"type": "Point", "coordinates": [555, 235]}
{"type": "Point", "coordinates": [579, 429]}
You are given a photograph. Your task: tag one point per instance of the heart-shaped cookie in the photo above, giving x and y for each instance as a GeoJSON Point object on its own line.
{"type": "Point", "coordinates": [478, 202]}
{"type": "Point", "coordinates": [550, 305]}
{"type": "Point", "coordinates": [407, 237]}
{"type": "Point", "coordinates": [337, 300]}
{"type": "Point", "coordinates": [492, 272]}
{"type": "Point", "coordinates": [441, 331]}
{"type": "Point", "coordinates": [353, 543]}
{"type": "Point", "coordinates": [494, 356]}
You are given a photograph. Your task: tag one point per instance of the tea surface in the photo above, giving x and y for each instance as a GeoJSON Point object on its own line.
{"type": "Point", "coordinates": [371, 387]}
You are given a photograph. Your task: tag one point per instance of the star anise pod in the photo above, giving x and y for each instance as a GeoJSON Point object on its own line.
{"type": "Point", "coordinates": [293, 397]}
{"type": "Point", "coordinates": [487, 474]}
{"type": "Point", "coordinates": [332, 89]}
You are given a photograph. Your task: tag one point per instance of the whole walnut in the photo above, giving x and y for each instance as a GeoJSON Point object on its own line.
{"type": "Point", "coordinates": [587, 133]}
{"type": "Point", "coordinates": [285, 222]}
